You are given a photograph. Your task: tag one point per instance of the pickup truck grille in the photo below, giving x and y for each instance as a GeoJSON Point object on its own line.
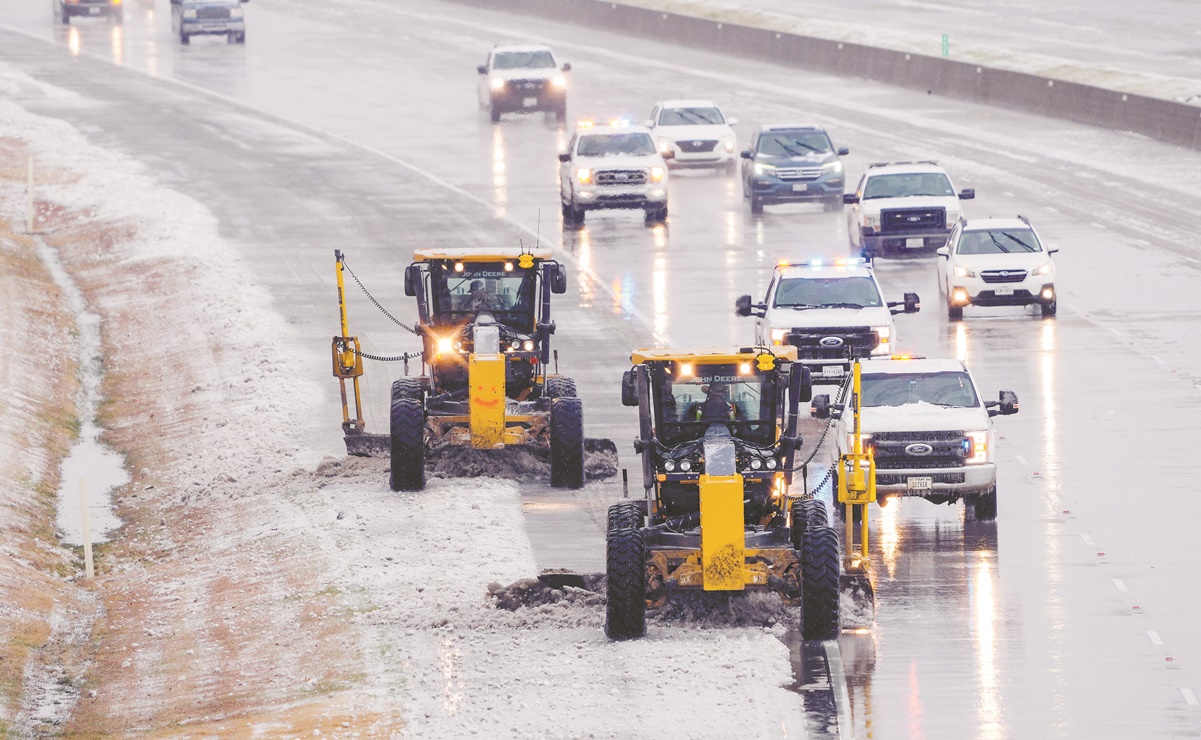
{"type": "Point", "coordinates": [948, 449]}
{"type": "Point", "coordinates": [695, 147]}
{"type": "Point", "coordinates": [913, 219]}
{"type": "Point", "coordinates": [1003, 276]}
{"type": "Point", "coordinates": [817, 344]}
{"type": "Point", "coordinates": [799, 173]}
{"type": "Point", "coordinates": [212, 13]}
{"type": "Point", "coordinates": [527, 86]}
{"type": "Point", "coordinates": [621, 177]}
{"type": "Point", "coordinates": [884, 479]}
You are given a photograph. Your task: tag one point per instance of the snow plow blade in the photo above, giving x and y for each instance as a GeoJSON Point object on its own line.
{"type": "Point", "coordinates": [857, 602]}
{"type": "Point", "coordinates": [600, 454]}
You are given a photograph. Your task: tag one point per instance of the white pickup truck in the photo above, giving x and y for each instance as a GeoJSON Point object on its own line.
{"type": "Point", "coordinates": [928, 429]}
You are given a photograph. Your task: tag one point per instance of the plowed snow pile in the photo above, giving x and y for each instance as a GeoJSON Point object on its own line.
{"type": "Point", "coordinates": [256, 590]}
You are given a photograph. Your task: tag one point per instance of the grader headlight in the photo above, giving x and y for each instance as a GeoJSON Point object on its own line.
{"type": "Point", "coordinates": [446, 345]}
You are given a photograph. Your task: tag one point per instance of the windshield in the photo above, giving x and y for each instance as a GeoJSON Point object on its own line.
{"type": "Point", "coordinates": [942, 389]}
{"type": "Point", "coordinates": [606, 145]}
{"type": "Point", "coordinates": [687, 402]}
{"type": "Point", "coordinates": [795, 144]}
{"type": "Point", "coordinates": [1022, 241]}
{"type": "Point", "coordinates": [536, 59]}
{"type": "Point", "coordinates": [507, 295]}
{"type": "Point", "coordinates": [690, 117]}
{"type": "Point", "coordinates": [908, 184]}
{"type": "Point", "coordinates": [834, 292]}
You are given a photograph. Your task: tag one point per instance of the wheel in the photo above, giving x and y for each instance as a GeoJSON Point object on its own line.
{"type": "Point", "coordinates": [561, 113]}
{"type": "Point", "coordinates": [66, 17]}
{"type": "Point", "coordinates": [819, 584]}
{"type": "Point", "coordinates": [495, 114]}
{"type": "Point", "coordinates": [806, 514]}
{"type": "Point", "coordinates": [560, 386]}
{"type": "Point", "coordinates": [1049, 309]}
{"type": "Point", "coordinates": [408, 389]}
{"type": "Point", "coordinates": [576, 215]}
{"type": "Point", "coordinates": [756, 205]}
{"type": "Point", "coordinates": [624, 514]}
{"type": "Point", "coordinates": [567, 443]}
{"type": "Point", "coordinates": [242, 37]}
{"type": "Point", "coordinates": [731, 167]}
{"type": "Point", "coordinates": [625, 566]}
{"type": "Point", "coordinates": [954, 313]}
{"type": "Point", "coordinates": [119, 16]}
{"type": "Point", "coordinates": [407, 445]}
{"type": "Point", "coordinates": [184, 38]}
{"type": "Point", "coordinates": [657, 215]}
{"type": "Point", "coordinates": [984, 505]}
{"type": "Point", "coordinates": [566, 211]}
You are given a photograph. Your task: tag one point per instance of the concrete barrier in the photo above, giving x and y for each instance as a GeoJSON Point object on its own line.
{"type": "Point", "coordinates": [1165, 120]}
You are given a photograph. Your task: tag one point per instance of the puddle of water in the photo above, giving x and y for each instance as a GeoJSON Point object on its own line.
{"type": "Point", "coordinates": [99, 468]}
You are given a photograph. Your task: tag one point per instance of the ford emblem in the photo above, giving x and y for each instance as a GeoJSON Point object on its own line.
{"type": "Point", "coordinates": [914, 219]}
{"type": "Point", "coordinates": [831, 341]}
{"type": "Point", "coordinates": [918, 449]}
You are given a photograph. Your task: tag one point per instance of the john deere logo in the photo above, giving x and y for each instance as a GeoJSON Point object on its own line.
{"type": "Point", "coordinates": [918, 449]}
{"type": "Point", "coordinates": [831, 341]}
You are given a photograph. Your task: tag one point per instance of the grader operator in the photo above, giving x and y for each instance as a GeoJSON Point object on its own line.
{"type": "Point", "coordinates": [717, 440]}
{"type": "Point", "coordinates": [485, 324]}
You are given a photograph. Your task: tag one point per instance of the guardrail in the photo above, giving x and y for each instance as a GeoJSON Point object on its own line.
{"type": "Point", "coordinates": [1165, 120]}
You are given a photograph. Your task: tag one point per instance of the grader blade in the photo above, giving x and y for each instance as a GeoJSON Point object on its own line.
{"type": "Point", "coordinates": [367, 445]}
{"type": "Point", "coordinates": [857, 602]}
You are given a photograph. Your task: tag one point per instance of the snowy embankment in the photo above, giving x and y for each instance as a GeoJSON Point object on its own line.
{"type": "Point", "coordinates": [257, 589]}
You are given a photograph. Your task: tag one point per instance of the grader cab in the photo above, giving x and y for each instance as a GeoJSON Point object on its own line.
{"type": "Point", "coordinates": [717, 441]}
{"type": "Point", "coordinates": [485, 324]}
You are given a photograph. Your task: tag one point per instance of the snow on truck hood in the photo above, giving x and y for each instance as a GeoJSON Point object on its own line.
{"type": "Point", "coordinates": [950, 202]}
{"type": "Point", "coordinates": [920, 417]}
{"type": "Point", "coordinates": [832, 318]}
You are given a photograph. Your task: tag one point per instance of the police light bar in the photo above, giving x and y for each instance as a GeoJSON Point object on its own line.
{"type": "Point", "coordinates": [840, 262]}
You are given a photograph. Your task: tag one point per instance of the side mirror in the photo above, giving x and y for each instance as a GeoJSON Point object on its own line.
{"type": "Point", "coordinates": [850, 198]}
{"type": "Point", "coordinates": [1053, 251]}
{"type": "Point", "coordinates": [746, 154]}
{"type": "Point", "coordinates": [412, 277]}
{"type": "Point", "coordinates": [482, 69]}
{"type": "Point", "coordinates": [731, 121]}
{"type": "Point", "coordinates": [819, 407]}
{"type": "Point", "coordinates": [669, 154]}
{"type": "Point", "coordinates": [558, 279]}
{"type": "Point", "coordinates": [967, 194]}
{"type": "Point", "coordinates": [943, 252]}
{"type": "Point", "coordinates": [742, 306]}
{"type": "Point", "coordinates": [629, 391]}
{"type": "Point", "coordinates": [564, 156]}
{"type": "Point", "coordinates": [566, 67]}
{"type": "Point", "coordinates": [843, 151]}
{"type": "Point", "coordinates": [649, 123]}
{"type": "Point", "coordinates": [800, 384]}
{"type": "Point", "coordinates": [1009, 403]}
{"type": "Point", "coordinates": [913, 304]}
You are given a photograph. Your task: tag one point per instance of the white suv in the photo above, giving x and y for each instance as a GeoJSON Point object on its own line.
{"type": "Point", "coordinates": [996, 262]}
{"type": "Point", "coordinates": [696, 133]}
{"type": "Point", "coordinates": [902, 208]}
{"type": "Point", "coordinates": [614, 166]}
{"type": "Point", "coordinates": [830, 310]}
{"type": "Point", "coordinates": [928, 429]}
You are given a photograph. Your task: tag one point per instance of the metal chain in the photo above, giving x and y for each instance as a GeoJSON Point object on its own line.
{"type": "Point", "coordinates": [398, 358]}
{"type": "Point", "coordinates": [395, 320]}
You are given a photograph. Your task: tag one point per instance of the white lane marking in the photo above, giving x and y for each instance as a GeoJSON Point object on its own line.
{"type": "Point", "coordinates": [1120, 585]}
{"type": "Point", "coordinates": [1055, 499]}
{"type": "Point", "coordinates": [1099, 226]}
{"type": "Point", "coordinates": [1052, 209]}
{"type": "Point", "coordinates": [838, 685]}
{"type": "Point", "coordinates": [1158, 359]}
{"type": "Point", "coordinates": [1189, 697]}
{"type": "Point", "coordinates": [1155, 638]}
{"type": "Point", "coordinates": [1194, 261]}
{"type": "Point", "coordinates": [1021, 460]}
{"type": "Point", "coordinates": [1086, 539]}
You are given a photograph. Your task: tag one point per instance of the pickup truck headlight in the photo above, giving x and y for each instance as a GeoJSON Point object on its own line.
{"type": "Point", "coordinates": [1044, 269]}
{"type": "Point", "coordinates": [235, 13]}
{"type": "Point", "coordinates": [871, 221]}
{"type": "Point", "coordinates": [657, 174]}
{"type": "Point", "coordinates": [884, 335]}
{"type": "Point", "coordinates": [777, 335]}
{"type": "Point", "coordinates": [764, 169]}
{"type": "Point", "coordinates": [978, 447]}
{"type": "Point", "coordinates": [832, 167]}
{"type": "Point", "coordinates": [583, 175]}
{"type": "Point", "coordinates": [952, 218]}
{"type": "Point", "coordinates": [189, 13]}
{"type": "Point", "coordinates": [963, 272]}
{"type": "Point", "coordinates": [664, 145]}
{"type": "Point", "coordinates": [559, 82]}
{"type": "Point", "coordinates": [867, 438]}
{"type": "Point", "coordinates": [497, 83]}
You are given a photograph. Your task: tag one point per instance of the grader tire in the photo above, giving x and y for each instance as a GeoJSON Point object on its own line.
{"type": "Point", "coordinates": [806, 514]}
{"type": "Point", "coordinates": [560, 386]}
{"type": "Point", "coordinates": [407, 446]}
{"type": "Point", "coordinates": [624, 515]}
{"type": "Point", "coordinates": [625, 565]}
{"type": "Point", "coordinates": [819, 584]}
{"type": "Point", "coordinates": [406, 388]}
{"type": "Point", "coordinates": [567, 443]}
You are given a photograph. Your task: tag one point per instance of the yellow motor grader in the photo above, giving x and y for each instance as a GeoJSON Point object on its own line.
{"type": "Point", "coordinates": [485, 325]}
{"type": "Point", "coordinates": [717, 441]}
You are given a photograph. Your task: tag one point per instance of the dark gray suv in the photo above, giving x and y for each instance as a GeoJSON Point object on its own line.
{"type": "Point", "coordinates": [792, 164]}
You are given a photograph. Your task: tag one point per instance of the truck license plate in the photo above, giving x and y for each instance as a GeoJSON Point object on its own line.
{"type": "Point", "coordinates": [93, 11]}
{"type": "Point", "coordinates": [1007, 290]}
{"type": "Point", "coordinates": [920, 483]}
{"type": "Point", "coordinates": [799, 187]}
{"type": "Point", "coordinates": [529, 102]}
{"type": "Point", "coordinates": [832, 371]}
{"type": "Point", "coordinates": [915, 243]}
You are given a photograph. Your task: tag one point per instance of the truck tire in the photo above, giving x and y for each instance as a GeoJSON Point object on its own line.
{"type": "Point", "coordinates": [984, 505]}
{"type": "Point", "coordinates": [625, 566]}
{"type": "Point", "coordinates": [560, 386]}
{"type": "Point", "coordinates": [184, 38]}
{"type": "Point", "coordinates": [66, 17]}
{"type": "Point", "coordinates": [577, 215]}
{"type": "Point", "coordinates": [494, 114]}
{"type": "Point", "coordinates": [567, 443]}
{"type": "Point", "coordinates": [407, 389]}
{"type": "Point", "coordinates": [806, 514]}
{"type": "Point", "coordinates": [756, 205]}
{"type": "Point", "coordinates": [624, 514]}
{"type": "Point", "coordinates": [406, 439]}
{"type": "Point", "coordinates": [819, 584]}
